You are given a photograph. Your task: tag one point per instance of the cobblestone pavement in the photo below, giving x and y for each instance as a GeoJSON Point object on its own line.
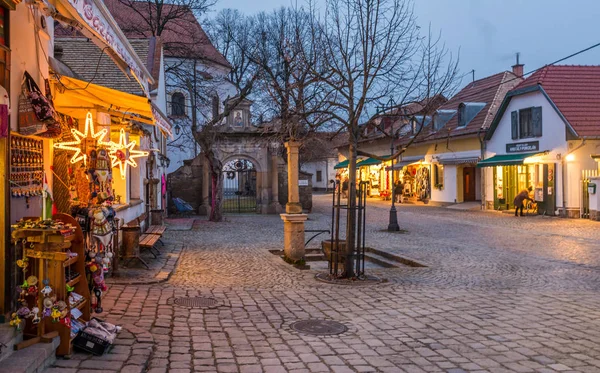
{"type": "Point", "coordinates": [500, 294]}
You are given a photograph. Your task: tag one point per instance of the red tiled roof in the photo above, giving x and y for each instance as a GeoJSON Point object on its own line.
{"type": "Point", "coordinates": [490, 90]}
{"type": "Point", "coordinates": [182, 37]}
{"type": "Point", "coordinates": [575, 90]}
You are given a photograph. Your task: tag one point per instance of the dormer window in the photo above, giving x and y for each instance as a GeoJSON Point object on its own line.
{"type": "Point", "coordinates": [462, 118]}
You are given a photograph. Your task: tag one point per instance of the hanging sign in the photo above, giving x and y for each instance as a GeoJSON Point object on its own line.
{"type": "Point", "coordinates": [161, 122]}
{"type": "Point", "coordinates": [97, 22]}
{"type": "Point", "coordinates": [520, 147]}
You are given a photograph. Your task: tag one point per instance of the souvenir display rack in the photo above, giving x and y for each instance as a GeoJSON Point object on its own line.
{"type": "Point", "coordinates": [26, 166]}
{"type": "Point", "coordinates": [57, 258]}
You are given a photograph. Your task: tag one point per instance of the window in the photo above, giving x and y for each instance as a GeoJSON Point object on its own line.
{"type": "Point", "coordinates": [177, 104]}
{"type": "Point", "coordinates": [438, 176]}
{"type": "Point", "coordinates": [462, 118]}
{"type": "Point", "coordinates": [319, 176]}
{"type": "Point", "coordinates": [526, 123]}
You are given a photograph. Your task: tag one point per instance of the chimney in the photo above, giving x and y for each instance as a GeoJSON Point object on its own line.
{"type": "Point", "coordinates": [517, 68]}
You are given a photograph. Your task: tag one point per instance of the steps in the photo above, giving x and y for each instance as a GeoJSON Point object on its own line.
{"type": "Point", "coordinates": [33, 359]}
{"type": "Point", "coordinates": [390, 260]}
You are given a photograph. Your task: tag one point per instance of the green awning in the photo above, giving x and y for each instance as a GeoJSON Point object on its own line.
{"type": "Point", "coordinates": [368, 162]}
{"type": "Point", "coordinates": [506, 159]}
{"type": "Point", "coordinates": [342, 164]}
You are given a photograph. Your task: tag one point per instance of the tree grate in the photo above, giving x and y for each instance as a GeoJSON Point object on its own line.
{"type": "Point", "coordinates": [196, 302]}
{"type": "Point", "coordinates": [319, 327]}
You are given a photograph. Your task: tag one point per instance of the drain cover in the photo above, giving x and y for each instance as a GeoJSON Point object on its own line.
{"type": "Point", "coordinates": [196, 302]}
{"type": "Point", "coordinates": [319, 327]}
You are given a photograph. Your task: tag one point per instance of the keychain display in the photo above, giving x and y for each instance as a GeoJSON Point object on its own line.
{"type": "Point", "coordinates": [26, 167]}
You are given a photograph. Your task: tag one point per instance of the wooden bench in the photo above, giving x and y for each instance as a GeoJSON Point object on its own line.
{"type": "Point", "coordinates": [148, 241]}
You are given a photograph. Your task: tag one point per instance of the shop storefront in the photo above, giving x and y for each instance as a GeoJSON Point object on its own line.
{"type": "Point", "coordinates": [513, 173]}
{"type": "Point", "coordinates": [416, 178]}
{"type": "Point", "coordinates": [377, 175]}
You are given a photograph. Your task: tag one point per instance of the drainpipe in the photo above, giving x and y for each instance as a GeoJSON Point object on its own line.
{"type": "Point", "coordinates": [482, 147]}
{"type": "Point", "coordinates": [564, 169]}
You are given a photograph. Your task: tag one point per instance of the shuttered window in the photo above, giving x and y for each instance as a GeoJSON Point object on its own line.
{"type": "Point", "coordinates": [526, 123]}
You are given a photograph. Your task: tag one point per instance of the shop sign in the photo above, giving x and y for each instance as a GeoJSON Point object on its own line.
{"type": "Point", "coordinates": [523, 147]}
{"type": "Point", "coordinates": [303, 182]}
{"type": "Point", "coordinates": [161, 122]}
{"type": "Point", "coordinates": [92, 15]}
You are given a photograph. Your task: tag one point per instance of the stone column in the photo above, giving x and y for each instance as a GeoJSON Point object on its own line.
{"type": "Point", "coordinates": [293, 219]}
{"type": "Point", "coordinates": [293, 205]}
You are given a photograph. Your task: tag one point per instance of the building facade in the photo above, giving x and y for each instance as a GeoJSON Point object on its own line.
{"type": "Point", "coordinates": [543, 138]}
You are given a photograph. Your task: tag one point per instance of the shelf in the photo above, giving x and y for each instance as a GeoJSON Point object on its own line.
{"type": "Point", "coordinates": [73, 260]}
{"type": "Point", "coordinates": [74, 281]}
{"type": "Point", "coordinates": [80, 304]}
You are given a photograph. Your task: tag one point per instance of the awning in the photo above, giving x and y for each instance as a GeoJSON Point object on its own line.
{"type": "Point", "coordinates": [456, 161]}
{"type": "Point", "coordinates": [368, 162]}
{"type": "Point", "coordinates": [92, 19]}
{"type": "Point", "coordinates": [342, 164]}
{"type": "Point", "coordinates": [506, 159]}
{"type": "Point", "coordinates": [405, 162]}
{"type": "Point", "coordinates": [75, 97]}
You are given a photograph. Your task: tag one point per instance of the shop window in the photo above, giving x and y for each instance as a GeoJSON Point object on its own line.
{"type": "Point", "coordinates": [438, 176]}
{"type": "Point", "coordinates": [177, 104]}
{"type": "Point", "coordinates": [319, 176]}
{"type": "Point", "coordinates": [526, 123]}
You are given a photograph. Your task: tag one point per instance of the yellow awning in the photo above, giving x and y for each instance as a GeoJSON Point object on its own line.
{"type": "Point", "coordinates": [76, 97]}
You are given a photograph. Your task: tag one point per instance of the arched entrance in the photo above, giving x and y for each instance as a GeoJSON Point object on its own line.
{"type": "Point", "coordinates": [239, 186]}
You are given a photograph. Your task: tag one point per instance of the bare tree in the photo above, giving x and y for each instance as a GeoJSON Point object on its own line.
{"type": "Point", "coordinates": [373, 51]}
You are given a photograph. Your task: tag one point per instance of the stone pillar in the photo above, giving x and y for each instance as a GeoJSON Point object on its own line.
{"type": "Point", "coordinates": [205, 207]}
{"type": "Point", "coordinates": [293, 205]}
{"type": "Point", "coordinates": [293, 220]}
{"type": "Point", "coordinates": [274, 205]}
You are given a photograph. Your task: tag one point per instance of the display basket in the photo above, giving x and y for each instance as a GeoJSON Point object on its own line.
{"type": "Point", "coordinates": [90, 343]}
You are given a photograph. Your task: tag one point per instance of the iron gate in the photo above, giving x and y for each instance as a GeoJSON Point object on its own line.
{"type": "Point", "coordinates": [585, 195]}
{"type": "Point", "coordinates": [239, 186]}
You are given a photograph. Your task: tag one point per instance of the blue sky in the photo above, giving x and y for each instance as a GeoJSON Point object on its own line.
{"type": "Point", "coordinates": [490, 32]}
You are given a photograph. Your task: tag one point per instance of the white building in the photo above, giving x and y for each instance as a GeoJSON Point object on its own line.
{"type": "Point", "coordinates": [543, 137]}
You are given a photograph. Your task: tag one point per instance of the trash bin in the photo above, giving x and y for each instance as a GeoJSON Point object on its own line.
{"type": "Point", "coordinates": [131, 241]}
{"type": "Point", "coordinates": [157, 217]}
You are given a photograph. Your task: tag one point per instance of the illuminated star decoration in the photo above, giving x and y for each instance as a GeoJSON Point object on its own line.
{"type": "Point", "coordinates": [122, 154]}
{"type": "Point", "coordinates": [75, 145]}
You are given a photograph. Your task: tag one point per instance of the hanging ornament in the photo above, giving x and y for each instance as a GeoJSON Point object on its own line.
{"type": "Point", "coordinates": [34, 315]}
{"type": "Point", "coordinates": [123, 154]}
{"type": "Point", "coordinates": [15, 321]}
{"type": "Point", "coordinates": [88, 133]}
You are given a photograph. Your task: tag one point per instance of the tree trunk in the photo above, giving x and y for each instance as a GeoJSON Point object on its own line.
{"type": "Point", "coordinates": [216, 197]}
{"type": "Point", "coordinates": [351, 223]}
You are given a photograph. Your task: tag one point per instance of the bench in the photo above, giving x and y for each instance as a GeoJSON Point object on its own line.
{"type": "Point", "coordinates": [148, 241]}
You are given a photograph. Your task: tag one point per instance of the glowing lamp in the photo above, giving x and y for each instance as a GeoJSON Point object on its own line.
{"type": "Point", "coordinates": [570, 157]}
{"type": "Point", "coordinates": [123, 154]}
{"type": "Point", "coordinates": [88, 133]}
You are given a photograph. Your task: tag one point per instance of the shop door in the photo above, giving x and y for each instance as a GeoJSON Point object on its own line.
{"type": "Point", "coordinates": [469, 184]}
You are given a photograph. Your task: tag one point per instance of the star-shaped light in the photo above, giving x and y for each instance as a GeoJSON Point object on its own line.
{"type": "Point", "coordinates": [122, 154]}
{"type": "Point", "coordinates": [75, 145]}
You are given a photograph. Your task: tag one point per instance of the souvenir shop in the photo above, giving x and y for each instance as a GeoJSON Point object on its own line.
{"type": "Point", "coordinates": [416, 178]}
{"type": "Point", "coordinates": [378, 175]}
{"type": "Point", "coordinates": [78, 155]}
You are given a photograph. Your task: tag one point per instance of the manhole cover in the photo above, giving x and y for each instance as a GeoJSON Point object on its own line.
{"type": "Point", "coordinates": [319, 327]}
{"type": "Point", "coordinates": [196, 302]}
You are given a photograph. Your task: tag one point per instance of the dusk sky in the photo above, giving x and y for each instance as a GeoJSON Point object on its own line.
{"type": "Point", "coordinates": [490, 32]}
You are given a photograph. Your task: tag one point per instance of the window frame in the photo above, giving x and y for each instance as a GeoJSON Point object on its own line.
{"type": "Point", "coordinates": [181, 105]}
{"type": "Point", "coordinates": [529, 126]}
{"type": "Point", "coordinates": [319, 176]}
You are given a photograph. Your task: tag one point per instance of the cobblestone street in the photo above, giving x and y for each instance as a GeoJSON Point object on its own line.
{"type": "Point", "coordinates": [498, 294]}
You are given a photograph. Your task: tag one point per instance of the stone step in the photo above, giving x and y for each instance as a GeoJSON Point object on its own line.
{"type": "Point", "coordinates": [393, 258]}
{"type": "Point", "coordinates": [380, 260]}
{"type": "Point", "coordinates": [314, 257]}
{"type": "Point", "coordinates": [9, 337]}
{"type": "Point", "coordinates": [32, 359]}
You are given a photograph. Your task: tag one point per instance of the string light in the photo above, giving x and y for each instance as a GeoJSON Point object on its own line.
{"type": "Point", "coordinates": [75, 145]}
{"type": "Point", "coordinates": [123, 154]}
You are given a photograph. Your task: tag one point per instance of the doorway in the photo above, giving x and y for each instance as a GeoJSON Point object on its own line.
{"type": "Point", "coordinates": [239, 186]}
{"type": "Point", "coordinates": [469, 184]}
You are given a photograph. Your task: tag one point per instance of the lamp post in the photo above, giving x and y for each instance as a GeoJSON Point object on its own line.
{"type": "Point", "coordinates": [393, 220]}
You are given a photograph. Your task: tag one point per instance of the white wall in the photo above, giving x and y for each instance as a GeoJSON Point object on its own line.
{"type": "Point", "coordinates": [553, 140]}
{"type": "Point", "coordinates": [327, 171]}
{"type": "Point", "coordinates": [448, 193]}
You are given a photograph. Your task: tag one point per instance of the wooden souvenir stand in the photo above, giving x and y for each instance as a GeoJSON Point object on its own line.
{"type": "Point", "coordinates": [47, 250]}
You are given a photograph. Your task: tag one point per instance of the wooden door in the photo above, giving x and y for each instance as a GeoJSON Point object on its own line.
{"type": "Point", "coordinates": [469, 184]}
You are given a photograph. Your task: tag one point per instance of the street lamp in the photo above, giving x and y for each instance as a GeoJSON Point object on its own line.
{"type": "Point", "coordinates": [177, 129]}
{"type": "Point", "coordinates": [393, 221]}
